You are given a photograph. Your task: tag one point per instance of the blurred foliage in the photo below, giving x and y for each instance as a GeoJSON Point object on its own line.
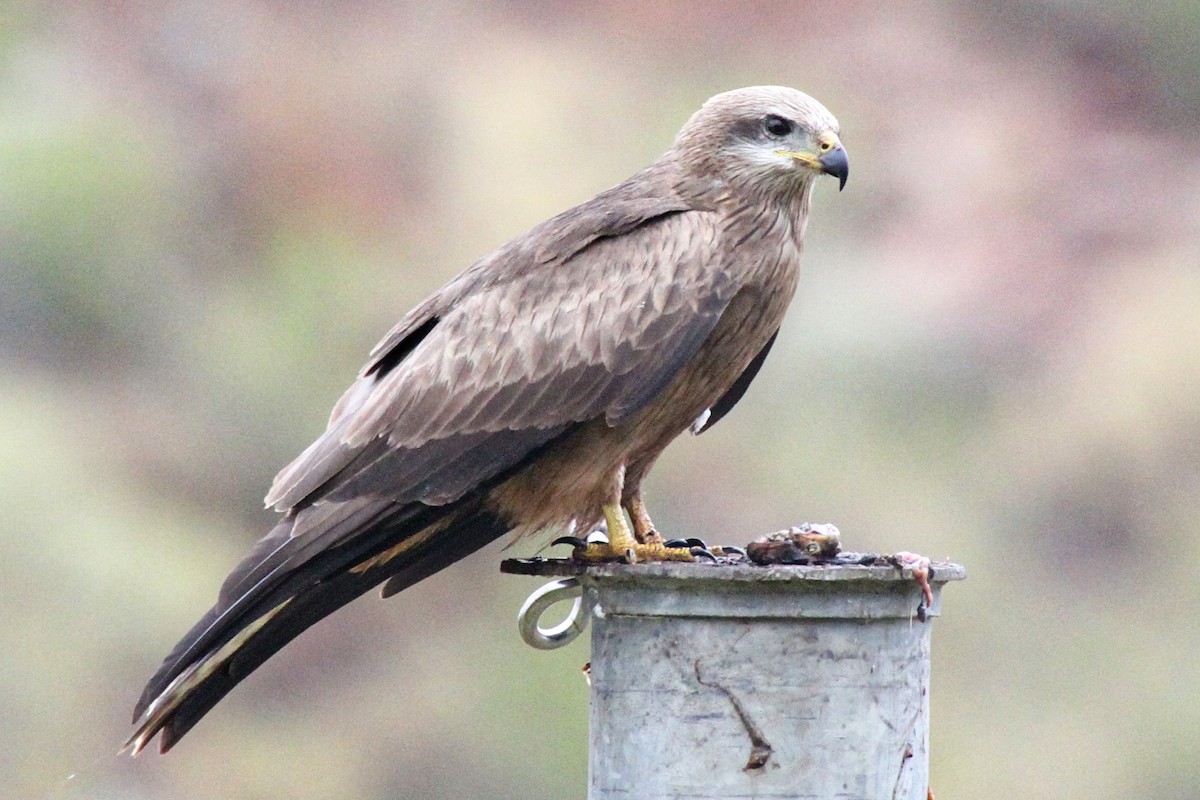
{"type": "Point", "coordinates": [210, 211]}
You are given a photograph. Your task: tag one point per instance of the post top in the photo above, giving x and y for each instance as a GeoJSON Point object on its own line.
{"type": "Point", "coordinates": [879, 571]}
{"type": "Point", "coordinates": [852, 586]}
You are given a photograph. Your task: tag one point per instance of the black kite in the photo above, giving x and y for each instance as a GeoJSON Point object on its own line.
{"type": "Point", "coordinates": [532, 392]}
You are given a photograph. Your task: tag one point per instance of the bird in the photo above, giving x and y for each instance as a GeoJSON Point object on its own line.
{"type": "Point", "coordinates": [533, 392]}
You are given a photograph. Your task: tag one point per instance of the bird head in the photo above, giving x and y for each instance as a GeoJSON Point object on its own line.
{"type": "Point", "coordinates": [765, 137]}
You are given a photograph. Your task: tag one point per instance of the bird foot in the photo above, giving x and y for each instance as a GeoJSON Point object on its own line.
{"type": "Point", "coordinates": [593, 551]}
{"type": "Point", "coordinates": [634, 552]}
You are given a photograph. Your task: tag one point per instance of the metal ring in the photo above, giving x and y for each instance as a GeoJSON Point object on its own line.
{"type": "Point", "coordinates": [564, 632]}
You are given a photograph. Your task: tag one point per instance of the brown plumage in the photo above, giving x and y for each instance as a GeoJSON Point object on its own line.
{"type": "Point", "coordinates": [532, 392]}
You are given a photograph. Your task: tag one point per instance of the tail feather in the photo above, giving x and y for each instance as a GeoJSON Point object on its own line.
{"type": "Point", "coordinates": [274, 568]}
{"type": "Point", "coordinates": [286, 585]}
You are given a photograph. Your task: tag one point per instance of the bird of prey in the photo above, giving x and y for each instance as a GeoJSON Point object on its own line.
{"type": "Point", "coordinates": [533, 392]}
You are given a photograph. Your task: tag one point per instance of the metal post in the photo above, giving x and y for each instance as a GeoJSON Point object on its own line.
{"type": "Point", "coordinates": [746, 681]}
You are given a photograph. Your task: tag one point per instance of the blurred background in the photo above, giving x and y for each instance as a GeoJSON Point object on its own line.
{"type": "Point", "coordinates": [210, 211]}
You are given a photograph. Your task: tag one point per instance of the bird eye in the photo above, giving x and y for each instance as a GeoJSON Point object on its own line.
{"type": "Point", "coordinates": [777, 126]}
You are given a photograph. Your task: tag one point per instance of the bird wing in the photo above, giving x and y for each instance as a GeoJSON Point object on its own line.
{"type": "Point", "coordinates": [592, 313]}
{"type": "Point", "coordinates": [576, 320]}
{"type": "Point", "coordinates": [731, 397]}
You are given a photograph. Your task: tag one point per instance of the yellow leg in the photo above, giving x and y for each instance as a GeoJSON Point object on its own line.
{"type": "Point", "coordinates": [620, 538]}
{"type": "Point", "coordinates": [623, 546]}
{"type": "Point", "coordinates": [643, 526]}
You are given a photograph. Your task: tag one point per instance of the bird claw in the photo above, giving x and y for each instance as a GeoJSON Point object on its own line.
{"type": "Point", "coordinates": [574, 541]}
{"type": "Point", "coordinates": [690, 542]}
{"type": "Point", "coordinates": [695, 547]}
{"type": "Point", "coordinates": [698, 548]}
{"type": "Point", "coordinates": [597, 536]}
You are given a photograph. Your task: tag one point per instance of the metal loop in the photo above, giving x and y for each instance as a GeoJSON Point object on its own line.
{"type": "Point", "coordinates": [564, 632]}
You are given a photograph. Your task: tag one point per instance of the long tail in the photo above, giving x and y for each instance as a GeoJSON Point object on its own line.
{"type": "Point", "coordinates": [289, 582]}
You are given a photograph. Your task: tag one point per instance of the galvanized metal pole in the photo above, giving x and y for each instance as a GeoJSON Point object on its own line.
{"type": "Point", "coordinates": [746, 681]}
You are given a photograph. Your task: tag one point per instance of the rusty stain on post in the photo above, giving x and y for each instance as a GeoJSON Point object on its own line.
{"type": "Point", "coordinates": [691, 663]}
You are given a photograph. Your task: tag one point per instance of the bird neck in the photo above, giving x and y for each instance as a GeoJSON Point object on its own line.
{"type": "Point", "coordinates": [772, 214]}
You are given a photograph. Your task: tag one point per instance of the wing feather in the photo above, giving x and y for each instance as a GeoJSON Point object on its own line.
{"type": "Point", "coordinates": [506, 357]}
{"type": "Point", "coordinates": [730, 398]}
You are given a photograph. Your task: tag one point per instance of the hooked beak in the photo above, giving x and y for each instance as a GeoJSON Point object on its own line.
{"type": "Point", "coordinates": [831, 161]}
{"type": "Point", "coordinates": [834, 162]}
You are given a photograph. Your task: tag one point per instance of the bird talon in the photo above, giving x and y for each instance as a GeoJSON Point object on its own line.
{"type": "Point", "coordinates": [574, 541]}
{"type": "Point", "coordinates": [691, 541]}
{"type": "Point", "coordinates": [702, 553]}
